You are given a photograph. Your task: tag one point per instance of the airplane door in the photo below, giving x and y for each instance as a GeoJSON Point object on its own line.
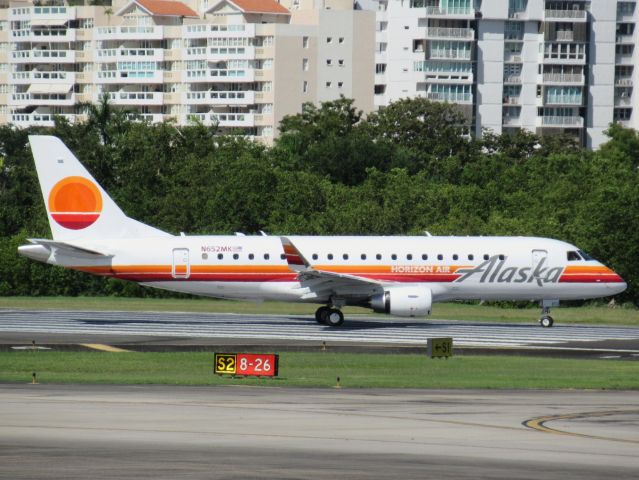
{"type": "Point", "coordinates": [181, 266]}
{"type": "Point", "coordinates": [538, 256]}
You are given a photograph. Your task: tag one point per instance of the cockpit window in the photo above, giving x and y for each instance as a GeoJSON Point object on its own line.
{"type": "Point", "coordinates": [585, 256]}
{"type": "Point", "coordinates": [573, 256]}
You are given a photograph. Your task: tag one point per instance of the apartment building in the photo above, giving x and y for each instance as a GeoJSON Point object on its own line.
{"type": "Point", "coordinates": [237, 64]}
{"type": "Point", "coordinates": [546, 66]}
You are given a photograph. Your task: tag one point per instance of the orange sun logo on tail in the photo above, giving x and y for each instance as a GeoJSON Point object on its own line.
{"type": "Point", "coordinates": [75, 203]}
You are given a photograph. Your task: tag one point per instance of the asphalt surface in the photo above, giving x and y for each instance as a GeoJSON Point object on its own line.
{"type": "Point", "coordinates": [283, 433]}
{"type": "Point", "coordinates": [198, 331]}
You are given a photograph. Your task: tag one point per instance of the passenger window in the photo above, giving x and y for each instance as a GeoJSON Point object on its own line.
{"type": "Point", "coordinates": [486, 256]}
{"type": "Point", "coordinates": [330, 256]}
{"type": "Point", "coordinates": [471, 257]}
{"type": "Point", "coordinates": [283, 256]}
{"type": "Point", "coordinates": [424, 256]}
{"type": "Point", "coordinates": [345, 256]}
{"type": "Point", "coordinates": [220, 256]}
{"type": "Point", "coordinates": [363, 256]}
{"type": "Point", "coordinates": [378, 256]}
{"type": "Point", "coordinates": [409, 257]}
{"type": "Point", "coordinates": [205, 256]}
{"type": "Point", "coordinates": [251, 256]}
{"type": "Point", "coordinates": [266, 256]}
{"type": "Point", "coordinates": [502, 257]}
{"type": "Point", "coordinates": [394, 256]}
{"type": "Point", "coordinates": [573, 256]}
{"type": "Point", "coordinates": [315, 256]}
{"type": "Point", "coordinates": [440, 257]}
{"type": "Point", "coordinates": [235, 256]}
{"type": "Point", "coordinates": [455, 257]}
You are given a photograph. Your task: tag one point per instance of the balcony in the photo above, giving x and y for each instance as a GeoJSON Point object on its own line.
{"type": "Point", "coordinates": [223, 53]}
{"type": "Point", "coordinates": [451, 12]}
{"type": "Point", "coordinates": [560, 121]}
{"type": "Point", "coordinates": [231, 75]}
{"type": "Point", "coordinates": [623, 102]}
{"type": "Point", "coordinates": [42, 99]}
{"type": "Point", "coordinates": [219, 98]}
{"type": "Point", "coordinates": [566, 15]}
{"type": "Point", "coordinates": [450, 55]}
{"type": "Point", "coordinates": [624, 59]}
{"type": "Point", "coordinates": [196, 53]}
{"type": "Point", "coordinates": [146, 117]}
{"type": "Point", "coordinates": [135, 98]}
{"type": "Point", "coordinates": [512, 100]}
{"type": "Point", "coordinates": [564, 79]}
{"type": "Point", "coordinates": [558, 53]}
{"type": "Point", "coordinates": [220, 31]}
{"type": "Point", "coordinates": [43, 56]}
{"type": "Point", "coordinates": [228, 120]}
{"type": "Point", "coordinates": [573, 100]}
{"type": "Point", "coordinates": [624, 82]}
{"type": "Point", "coordinates": [44, 35]}
{"type": "Point", "coordinates": [512, 80]}
{"type": "Point", "coordinates": [155, 32]}
{"type": "Point", "coordinates": [625, 39]}
{"type": "Point", "coordinates": [452, 33]}
{"type": "Point", "coordinates": [25, 120]}
{"type": "Point", "coordinates": [511, 121]}
{"type": "Point", "coordinates": [130, 54]}
{"type": "Point", "coordinates": [127, 76]}
{"type": "Point", "coordinates": [43, 13]}
{"type": "Point", "coordinates": [450, 97]}
{"type": "Point", "coordinates": [565, 36]}
{"type": "Point", "coordinates": [24, 78]}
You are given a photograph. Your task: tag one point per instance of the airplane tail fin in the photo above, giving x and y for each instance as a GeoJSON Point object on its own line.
{"type": "Point", "coordinates": [77, 206]}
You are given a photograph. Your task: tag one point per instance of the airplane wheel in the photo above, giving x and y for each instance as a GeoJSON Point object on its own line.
{"type": "Point", "coordinates": [320, 314]}
{"type": "Point", "coordinates": [546, 321]}
{"type": "Point", "coordinates": [334, 317]}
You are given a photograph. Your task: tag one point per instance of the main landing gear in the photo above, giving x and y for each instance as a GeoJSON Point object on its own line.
{"type": "Point", "coordinates": [333, 317]}
{"type": "Point", "coordinates": [546, 320]}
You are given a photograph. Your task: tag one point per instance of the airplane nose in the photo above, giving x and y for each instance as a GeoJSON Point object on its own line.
{"type": "Point", "coordinates": [616, 286]}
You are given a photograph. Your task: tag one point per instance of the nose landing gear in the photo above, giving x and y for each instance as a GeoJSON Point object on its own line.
{"type": "Point", "coordinates": [546, 320]}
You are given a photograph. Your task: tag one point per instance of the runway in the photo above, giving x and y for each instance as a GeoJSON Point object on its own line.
{"type": "Point", "coordinates": [156, 432]}
{"type": "Point", "coordinates": [198, 328]}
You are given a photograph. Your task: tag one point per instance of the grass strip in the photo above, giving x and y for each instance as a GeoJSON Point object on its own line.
{"type": "Point", "coordinates": [575, 315]}
{"type": "Point", "coordinates": [322, 368]}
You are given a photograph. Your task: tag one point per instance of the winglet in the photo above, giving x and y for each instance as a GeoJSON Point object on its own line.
{"type": "Point", "coordinates": [295, 259]}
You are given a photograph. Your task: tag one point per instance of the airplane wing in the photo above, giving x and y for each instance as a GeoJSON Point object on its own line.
{"type": "Point", "coordinates": [66, 247]}
{"type": "Point", "coordinates": [320, 283]}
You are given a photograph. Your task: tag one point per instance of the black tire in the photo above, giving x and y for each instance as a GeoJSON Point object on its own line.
{"type": "Point", "coordinates": [546, 321]}
{"type": "Point", "coordinates": [320, 314]}
{"type": "Point", "coordinates": [334, 317]}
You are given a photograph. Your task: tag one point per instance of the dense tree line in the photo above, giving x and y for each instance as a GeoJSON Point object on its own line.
{"type": "Point", "coordinates": [402, 170]}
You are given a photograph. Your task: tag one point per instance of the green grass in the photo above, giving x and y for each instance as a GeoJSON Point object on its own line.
{"type": "Point", "coordinates": [458, 311]}
{"type": "Point", "coordinates": [322, 368]}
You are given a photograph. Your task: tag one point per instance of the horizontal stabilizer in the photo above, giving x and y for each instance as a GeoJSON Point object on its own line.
{"type": "Point", "coordinates": [66, 248]}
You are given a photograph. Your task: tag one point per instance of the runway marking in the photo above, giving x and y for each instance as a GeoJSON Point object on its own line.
{"type": "Point", "coordinates": [104, 348]}
{"type": "Point", "coordinates": [539, 424]}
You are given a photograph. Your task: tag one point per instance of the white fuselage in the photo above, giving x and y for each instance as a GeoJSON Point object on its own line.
{"type": "Point", "coordinates": [254, 267]}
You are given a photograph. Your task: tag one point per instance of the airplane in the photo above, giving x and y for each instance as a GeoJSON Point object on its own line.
{"type": "Point", "coordinates": [397, 275]}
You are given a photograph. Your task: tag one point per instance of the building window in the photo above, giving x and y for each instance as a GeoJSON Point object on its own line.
{"type": "Point", "coordinates": [329, 62]}
{"type": "Point", "coordinates": [341, 40]}
{"type": "Point", "coordinates": [340, 62]}
{"type": "Point", "coordinates": [305, 87]}
{"type": "Point", "coordinates": [305, 42]}
{"type": "Point", "coordinates": [305, 64]}
{"type": "Point", "coordinates": [329, 39]}
{"type": "Point", "coordinates": [328, 84]}
{"type": "Point", "coordinates": [340, 84]}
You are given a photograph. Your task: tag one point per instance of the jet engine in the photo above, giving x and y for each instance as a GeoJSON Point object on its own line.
{"type": "Point", "coordinates": [403, 301]}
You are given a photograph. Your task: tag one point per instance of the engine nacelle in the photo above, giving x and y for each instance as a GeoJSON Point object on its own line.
{"type": "Point", "coordinates": [404, 301]}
